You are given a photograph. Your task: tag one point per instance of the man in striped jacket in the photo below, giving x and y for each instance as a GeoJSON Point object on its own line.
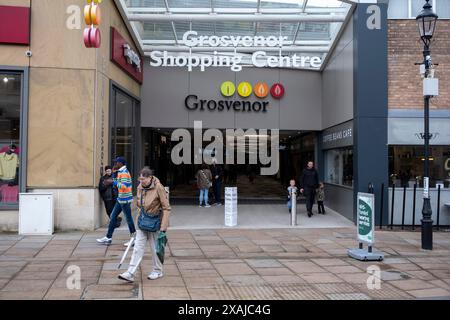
{"type": "Point", "coordinates": [124, 185]}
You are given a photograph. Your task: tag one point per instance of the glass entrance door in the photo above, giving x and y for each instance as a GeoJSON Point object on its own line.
{"type": "Point", "coordinates": [124, 129]}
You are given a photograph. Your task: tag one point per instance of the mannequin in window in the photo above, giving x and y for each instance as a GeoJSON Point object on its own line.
{"type": "Point", "coordinates": [9, 174]}
{"type": "Point", "coordinates": [9, 162]}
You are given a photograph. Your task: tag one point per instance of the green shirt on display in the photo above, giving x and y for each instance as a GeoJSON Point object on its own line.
{"type": "Point", "coordinates": [8, 165]}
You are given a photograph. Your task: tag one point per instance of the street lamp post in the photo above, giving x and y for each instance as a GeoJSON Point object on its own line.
{"type": "Point", "coordinates": [426, 21]}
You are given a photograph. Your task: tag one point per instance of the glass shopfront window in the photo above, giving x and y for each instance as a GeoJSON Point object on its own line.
{"type": "Point", "coordinates": [339, 166]}
{"type": "Point", "coordinates": [125, 130]}
{"type": "Point", "coordinates": [406, 165]}
{"type": "Point", "coordinates": [10, 106]}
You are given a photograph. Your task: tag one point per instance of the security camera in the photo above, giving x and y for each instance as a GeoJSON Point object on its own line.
{"type": "Point", "coordinates": [29, 53]}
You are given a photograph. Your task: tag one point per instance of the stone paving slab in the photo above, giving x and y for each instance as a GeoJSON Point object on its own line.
{"type": "Point", "coordinates": [429, 293]}
{"type": "Point", "coordinates": [227, 264]}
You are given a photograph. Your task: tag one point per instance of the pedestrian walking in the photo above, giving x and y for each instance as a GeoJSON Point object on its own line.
{"type": "Point", "coordinates": [108, 192]}
{"type": "Point", "coordinates": [204, 178]}
{"type": "Point", "coordinates": [309, 182]}
{"type": "Point", "coordinates": [217, 175]}
{"type": "Point", "coordinates": [152, 200]}
{"type": "Point", "coordinates": [321, 198]}
{"type": "Point", "coordinates": [125, 197]}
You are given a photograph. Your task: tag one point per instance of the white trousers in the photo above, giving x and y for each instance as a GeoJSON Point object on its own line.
{"type": "Point", "coordinates": [139, 249]}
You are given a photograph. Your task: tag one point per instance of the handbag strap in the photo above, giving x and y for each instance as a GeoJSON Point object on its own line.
{"type": "Point", "coordinates": [142, 202]}
{"type": "Point", "coordinates": [205, 176]}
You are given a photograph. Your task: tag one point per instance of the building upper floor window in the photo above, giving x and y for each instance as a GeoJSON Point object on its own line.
{"type": "Point", "coordinates": [409, 9]}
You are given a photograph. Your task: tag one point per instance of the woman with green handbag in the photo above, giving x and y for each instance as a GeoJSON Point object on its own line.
{"type": "Point", "coordinates": [154, 211]}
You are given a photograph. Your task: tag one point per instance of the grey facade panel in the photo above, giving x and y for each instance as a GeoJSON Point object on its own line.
{"type": "Point", "coordinates": [162, 98]}
{"type": "Point", "coordinates": [339, 199]}
{"type": "Point", "coordinates": [337, 82]}
{"type": "Point", "coordinates": [300, 109]}
{"type": "Point", "coordinates": [165, 90]}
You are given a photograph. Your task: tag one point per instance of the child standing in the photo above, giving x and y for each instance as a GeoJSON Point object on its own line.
{"type": "Point", "coordinates": [290, 189]}
{"type": "Point", "coordinates": [320, 198]}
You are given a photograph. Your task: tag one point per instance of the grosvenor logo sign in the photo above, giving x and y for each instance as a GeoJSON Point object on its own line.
{"type": "Point", "coordinates": [244, 89]}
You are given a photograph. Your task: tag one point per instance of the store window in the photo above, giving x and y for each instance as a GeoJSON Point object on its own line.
{"type": "Point", "coordinates": [10, 106]}
{"type": "Point", "coordinates": [410, 9]}
{"type": "Point", "coordinates": [339, 166]}
{"type": "Point", "coordinates": [125, 129]}
{"type": "Point", "coordinates": [398, 9]}
{"type": "Point", "coordinates": [406, 165]}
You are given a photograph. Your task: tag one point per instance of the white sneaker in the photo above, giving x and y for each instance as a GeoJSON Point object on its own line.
{"type": "Point", "coordinates": [155, 275]}
{"type": "Point", "coordinates": [128, 242]}
{"type": "Point", "coordinates": [127, 276]}
{"type": "Point", "coordinates": [104, 240]}
{"type": "Point", "coordinates": [207, 206]}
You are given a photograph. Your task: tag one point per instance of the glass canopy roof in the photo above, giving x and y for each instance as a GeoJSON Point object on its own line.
{"type": "Point", "coordinates": [309, 27]}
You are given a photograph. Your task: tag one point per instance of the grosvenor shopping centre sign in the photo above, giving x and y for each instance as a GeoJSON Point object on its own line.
{"type": "Point", "coordinates": [244, 90]}
{"type": "Point", "coordinates": [233, 60]}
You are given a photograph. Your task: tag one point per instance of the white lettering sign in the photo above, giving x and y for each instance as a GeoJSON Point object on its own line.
{"type": "Point", "coordinates": [337, 135]}
{"type": "Point", "coordinates": [259, 59]}
{"type": "Point", "coordinates": [132, 57]}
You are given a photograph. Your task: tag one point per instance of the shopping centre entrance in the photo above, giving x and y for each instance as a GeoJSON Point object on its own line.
{"type": "Point", "coordinates": [310, 78]}
{"type": "Point", "coordinates": [296, 148]}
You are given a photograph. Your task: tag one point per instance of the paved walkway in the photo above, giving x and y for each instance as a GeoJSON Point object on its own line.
{"type": "Point", "coordinates": [266, 216]}
{"type": "Point", "coordinates": [226, 264]}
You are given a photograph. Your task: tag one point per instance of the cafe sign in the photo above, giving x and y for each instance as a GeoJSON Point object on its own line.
{"type": "Point", "coordinates": [339, 136]}
{"type": "Point", "coordinates": [259, 59]}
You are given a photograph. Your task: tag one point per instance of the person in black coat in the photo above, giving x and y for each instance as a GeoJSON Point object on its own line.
{"type": "Point", "coordinates": [217, 174]}
{"type": "Point", "coordinates": [108, 192]}
{"type": "Point", "coordinates": [309, 182]}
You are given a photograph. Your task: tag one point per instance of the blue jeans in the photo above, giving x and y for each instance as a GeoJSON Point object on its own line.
{"type": "Point", "coordinates": [204, 195]}
{"type": "Point", "coordinates": [118, 208]}
{"type": "Point", "coordinates": [217, 191]}
{"type": "Point", "coordinates": [289, 204]}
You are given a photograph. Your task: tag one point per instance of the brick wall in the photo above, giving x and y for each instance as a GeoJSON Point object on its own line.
{"type": "Point", "coordinates": [404, 49]}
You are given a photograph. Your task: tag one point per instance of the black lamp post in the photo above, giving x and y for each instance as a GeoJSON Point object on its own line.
{"type": "Point", "coordinates": [426, 21]}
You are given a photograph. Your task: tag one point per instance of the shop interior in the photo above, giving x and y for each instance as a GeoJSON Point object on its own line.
{"type": "Point", "coordinates": [295, 149]}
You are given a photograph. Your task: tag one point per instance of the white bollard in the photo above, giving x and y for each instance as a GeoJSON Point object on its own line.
{"type": "Point", "coordinates": [293, 207]}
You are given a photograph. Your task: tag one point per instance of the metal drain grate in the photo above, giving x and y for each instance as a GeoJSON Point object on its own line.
{"type": "Point", "coordinates": [393, 275]}
{"type": "Point", "coordinates": [299, 292]}
{"type": "Point", "coordinates": [331, 288]}
{"type": "Point", "coordinates": [107, 292]}
{"type": "Point", "coordinates": [241, 292]}
{"type": "Point", "coordinates": [224, 292]}
{"type": "Point", "coordinates": [348, 296]}
{"type": "Point", "coordinates": [340, 235]}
